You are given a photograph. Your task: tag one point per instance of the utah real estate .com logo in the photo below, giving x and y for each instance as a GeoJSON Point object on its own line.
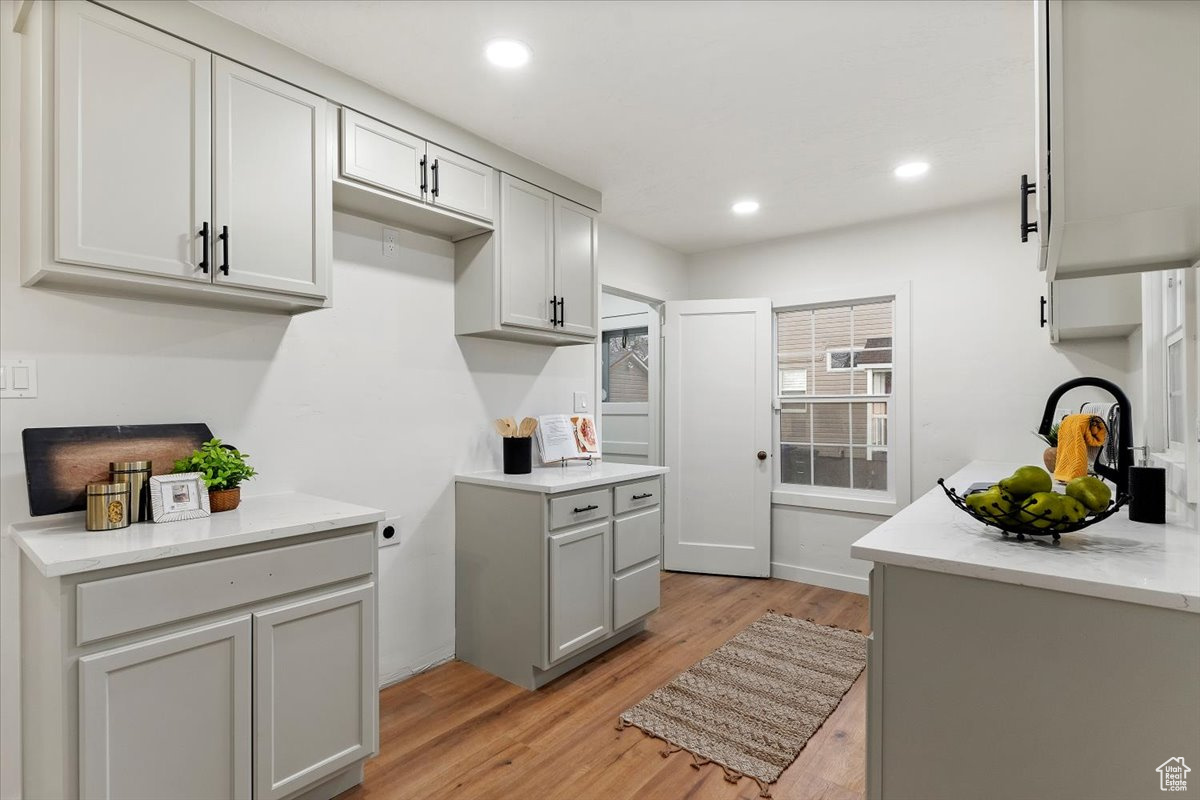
{"type": "Point", "coordinates": [1172, 775]}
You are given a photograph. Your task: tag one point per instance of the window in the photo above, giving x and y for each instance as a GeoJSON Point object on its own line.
{"type": "Point", "coordinates": [625, 373]}
{"type": "Point", "coordinates": [835, 398]}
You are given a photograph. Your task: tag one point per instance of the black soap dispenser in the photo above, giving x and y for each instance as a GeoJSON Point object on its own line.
{"type": "Point", "coordinates": [1147, 491]}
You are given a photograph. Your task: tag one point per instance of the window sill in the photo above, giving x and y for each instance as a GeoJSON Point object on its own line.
{"type": "Point", "coordinates": [884, 505]}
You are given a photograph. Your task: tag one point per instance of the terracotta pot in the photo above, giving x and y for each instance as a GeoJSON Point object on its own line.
{"type": "Point", "coordinates": [1050, 458]}
{"type": "Point", "coordinates": [224, 499]}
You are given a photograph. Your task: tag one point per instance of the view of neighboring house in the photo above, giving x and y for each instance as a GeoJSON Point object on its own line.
{"type": "Point", "coordinates": [835, 383]}
{"type": "Point", "coordinates": [628, 379]}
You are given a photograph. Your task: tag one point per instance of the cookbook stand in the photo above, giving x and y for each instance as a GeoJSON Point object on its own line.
{"type": "Point", "coordinates": [591, 461]}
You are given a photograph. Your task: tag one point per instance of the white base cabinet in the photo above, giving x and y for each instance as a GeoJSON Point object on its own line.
{"type": "Point", "coordinates": [247, 672]}
{"type": "Point", "coordinates": [541, 587]}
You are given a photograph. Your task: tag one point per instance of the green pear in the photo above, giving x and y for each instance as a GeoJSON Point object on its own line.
{"type": "Point", "coordinates": [1027, 481]}
{"type": "Point", "coordinates": [1091, 491]}
{"type": "Point", "coordinates": [1042, 510]}
{"type": "Point", "coordinates": [994, 502]}
{"type": "Point", "coordinates": [1073, 510]}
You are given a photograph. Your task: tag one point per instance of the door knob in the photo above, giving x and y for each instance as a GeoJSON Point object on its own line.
{"type": "Point", "coordinates": [762, 455]}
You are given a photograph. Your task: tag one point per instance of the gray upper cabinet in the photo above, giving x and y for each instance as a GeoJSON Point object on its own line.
{"type": "Point", "coordinates": [133, 176]}
{"type": "Point", "coordinates": [382, 156]}
{"type": "Point", "coordinates": [526, 254]}
{"type": "Point", "coordinates": [272, 207]}
{"type": "Point", "coordinates": [575, 276]}
{"type": "Point", "coordinates": [1118, 139]}
{"type": "Point", "coordinates": [169, 717]}
{"type": "Point", "coordinates": [580, 588]}
{"type": "Point", "coordinates": [315, 690]}
{"type": "Point", "coordinates": [461, 184]}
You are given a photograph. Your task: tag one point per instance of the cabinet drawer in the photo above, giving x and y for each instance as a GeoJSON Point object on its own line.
{"type": "Point", "coordinates": [633, 496]}
{"type": "Point", "coordinates": [132, 602]}
{"type": "Point", "coordinates": [636, 538]}
{"type": "Point", "coordinates": [576, 508]}
{"type": "Point", "coordinates": [635, 594]}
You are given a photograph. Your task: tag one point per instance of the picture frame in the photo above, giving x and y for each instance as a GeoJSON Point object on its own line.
{"type": "Point", "coordinates": [178, 497]}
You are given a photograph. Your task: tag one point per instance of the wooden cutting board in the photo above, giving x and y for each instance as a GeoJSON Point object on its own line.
{"type": "Point", "coordinates": [61, 462]}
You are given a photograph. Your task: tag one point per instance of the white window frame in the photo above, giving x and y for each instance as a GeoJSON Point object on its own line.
{"type": "Point", "coordinates": [899, 491]}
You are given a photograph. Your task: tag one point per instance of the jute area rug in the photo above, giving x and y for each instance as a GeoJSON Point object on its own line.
{"type": "Point", "coordinates": [752, 705]}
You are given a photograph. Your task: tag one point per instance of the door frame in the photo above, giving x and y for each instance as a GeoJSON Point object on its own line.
{"type": "Point", "coordinates": [655, 403]}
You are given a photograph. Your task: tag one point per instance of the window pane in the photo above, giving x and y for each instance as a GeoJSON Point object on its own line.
{"type": "Point", "coordinates": [870, 469]}
{"type": "Point", "coordinates": [627, 366]}
{"type": "Point", "coordinates": [796, 464]}
{"type": "Point", "coordinates": [872, 341]}
{"type": "Point", "coordinates": [831, 423]}
{"type": "Point", "coordinates": [795, 420]}
{"type": "Point", "coordinates": [793, 331]}
{"type": "Point", "coordinates": [1175, 394]}
{"type": "Point", "coordinates": [831, 466]}
{"type": "Point", "coordinates": [831, 336]}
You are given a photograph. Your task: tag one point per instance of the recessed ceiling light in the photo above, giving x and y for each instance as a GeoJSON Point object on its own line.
{"type": "Point", "coordinates": [508, 53]}
{"type": "Point", "coordinates": [911, 169]}
{"type": "Point", "coordinates": [744, 207]}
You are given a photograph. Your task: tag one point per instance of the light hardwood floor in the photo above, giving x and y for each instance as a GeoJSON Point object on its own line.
{"type": "Point", "coordinates": [458, 732]}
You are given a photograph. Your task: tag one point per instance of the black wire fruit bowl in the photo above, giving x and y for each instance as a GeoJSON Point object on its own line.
{"type": "Point", "coordinates": [1022, 523]}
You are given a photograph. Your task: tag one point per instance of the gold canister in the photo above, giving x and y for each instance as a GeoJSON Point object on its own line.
{"type": "Point", "coordinates": [137, 475]}
{"type": "Point", "coordinates": [107, 506]}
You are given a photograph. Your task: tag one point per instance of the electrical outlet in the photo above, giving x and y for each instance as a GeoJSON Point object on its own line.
{"type": "Point", "coordinates": [581, 403]}
{"type": "Point", "coordinates": [391, 243]}
{"type": "Point", "coordinates": [387, 532]}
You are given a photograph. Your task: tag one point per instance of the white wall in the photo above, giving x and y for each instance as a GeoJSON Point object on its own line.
{"type": "Point", "coordinates": [632, 264]}
{"type": "Point", "coordinates": [982, 367]}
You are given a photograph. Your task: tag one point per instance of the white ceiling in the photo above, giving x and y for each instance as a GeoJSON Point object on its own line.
{"type": "Point", "coordinates": [675, 109]}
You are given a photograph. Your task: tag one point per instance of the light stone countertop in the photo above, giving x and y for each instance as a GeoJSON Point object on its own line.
{"type": "Point", "coordinates": [556, 479]}
{"type": "Point", "coordinates": [1157, 565]}
{"type": "Point", "coordinates": [59, 545]}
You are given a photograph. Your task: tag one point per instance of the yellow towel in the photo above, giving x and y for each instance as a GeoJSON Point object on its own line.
{"type": "Point", "coordinates": [1076, 434]}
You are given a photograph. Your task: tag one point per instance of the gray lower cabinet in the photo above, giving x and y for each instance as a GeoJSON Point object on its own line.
{"type": "Point", "coordinates": [546, 581]}
{"type": "Point", "coordinates": [580, 589]}
{"type": "Point", "coordinates": [169, 717]}
{"type": "Point", "coordinates": [314, 693]}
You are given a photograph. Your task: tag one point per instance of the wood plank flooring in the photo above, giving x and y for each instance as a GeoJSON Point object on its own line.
{"type": "Point", "coordinates": [458, 732]}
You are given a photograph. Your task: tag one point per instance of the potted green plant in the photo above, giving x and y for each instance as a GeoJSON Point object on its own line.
{"type": "Point", "coordinates": [1050, 455]}
{"type": "Point", "coordinates": [224, 468]}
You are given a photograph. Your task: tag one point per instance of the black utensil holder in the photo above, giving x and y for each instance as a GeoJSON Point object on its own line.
{"type": "Point", "coordinates": [518, 455]}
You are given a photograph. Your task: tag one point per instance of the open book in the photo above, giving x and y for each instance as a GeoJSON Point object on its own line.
{"type": "Point", "coordinates": [562, 436]}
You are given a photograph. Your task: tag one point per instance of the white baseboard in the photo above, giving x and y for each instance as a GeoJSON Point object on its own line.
{"type": "Point", "coordinates": [433, 660]}
{"type": "Point", "coordinates": [820, 577]}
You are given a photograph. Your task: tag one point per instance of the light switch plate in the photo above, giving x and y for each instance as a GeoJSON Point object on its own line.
{"type": "Point", "coordinates": [582, 405]}
{"type": "Point", "coordinates": [18, 378]}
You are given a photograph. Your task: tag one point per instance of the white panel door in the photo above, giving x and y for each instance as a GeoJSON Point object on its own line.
{"type": "Point", "coordinates": [575, 280]}
{"type": "Point", "coordinates": [580, 592]}
{"type": "Point", "coordinates": [133, 153]}
{"type": "Point", "coordinates": [316, 697]}
{"type": "Point", "coordinates": [382, 156]}
{"type": "Point", "coordinates": [272, 184]}
{"type": "Point", "coordinates": [526, 254]}
{"type": "Point", "coordinates": [461, 184]}
{"type": "Point", "coordinates": [169, 717]}
{"type": "Point", "coordinates": [717, 436]}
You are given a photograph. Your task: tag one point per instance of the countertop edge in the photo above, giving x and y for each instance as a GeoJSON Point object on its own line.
{"type": "Point", "coordinates": [581, 483]}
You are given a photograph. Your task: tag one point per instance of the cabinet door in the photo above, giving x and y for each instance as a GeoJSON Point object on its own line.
{"type": "Point", "coordinates": [133, 153]}
{"type": "Point", "coordinates": [460, 184]}
{"type": "Point", "coordinates": [169, 717]}
{"type": "Point", "coordinates": [526, 253]}
{"type": "Point", "coordinates": [575, 278]}
{"type": "Point", "coordinates": [580, 588]}
{"type": "Point", "coordinates": [382, 156]}
{"type": "Point", "coordinates": [272, 187]}
{"type": "Point", "coordinates": [315, 691]}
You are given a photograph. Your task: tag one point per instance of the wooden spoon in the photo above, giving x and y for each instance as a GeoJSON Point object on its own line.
{"type": "Point", "coordinates": [528, 425]}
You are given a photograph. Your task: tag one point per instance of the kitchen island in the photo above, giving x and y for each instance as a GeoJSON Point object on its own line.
{"type": "Point", "coordinates": [554, 567]}
{"type": "Point", "coordinates": [1007, 668]}
{"type": "Point", "coordinates": [229, 656]}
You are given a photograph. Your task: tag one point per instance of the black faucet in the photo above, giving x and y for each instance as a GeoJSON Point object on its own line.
{"type": "Point", "coordinates": [1120, 474]}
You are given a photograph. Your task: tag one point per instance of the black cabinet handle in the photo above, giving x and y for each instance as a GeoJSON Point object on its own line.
{"type": "Point", "coordinates": [554, 311]}
{"type": "Point", "coordinates": [641, 496]}
{"type": "Point", "coordinates": [1027, 227]}
{"type": "Point", "coordinates": [586, 508]}
{"type": "Point", "coordinates": [562, 312]}
{"type": "Point", "coordinates": [1043, 313]}
{"type": "Point", "coordinates": [424, 182]}
{"type": "Point", "coordinates": [204, 248]}
{"type": "Point", "coordinates": [434, 169]}
{"type": "Point", "coordinates": [224, 237]}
